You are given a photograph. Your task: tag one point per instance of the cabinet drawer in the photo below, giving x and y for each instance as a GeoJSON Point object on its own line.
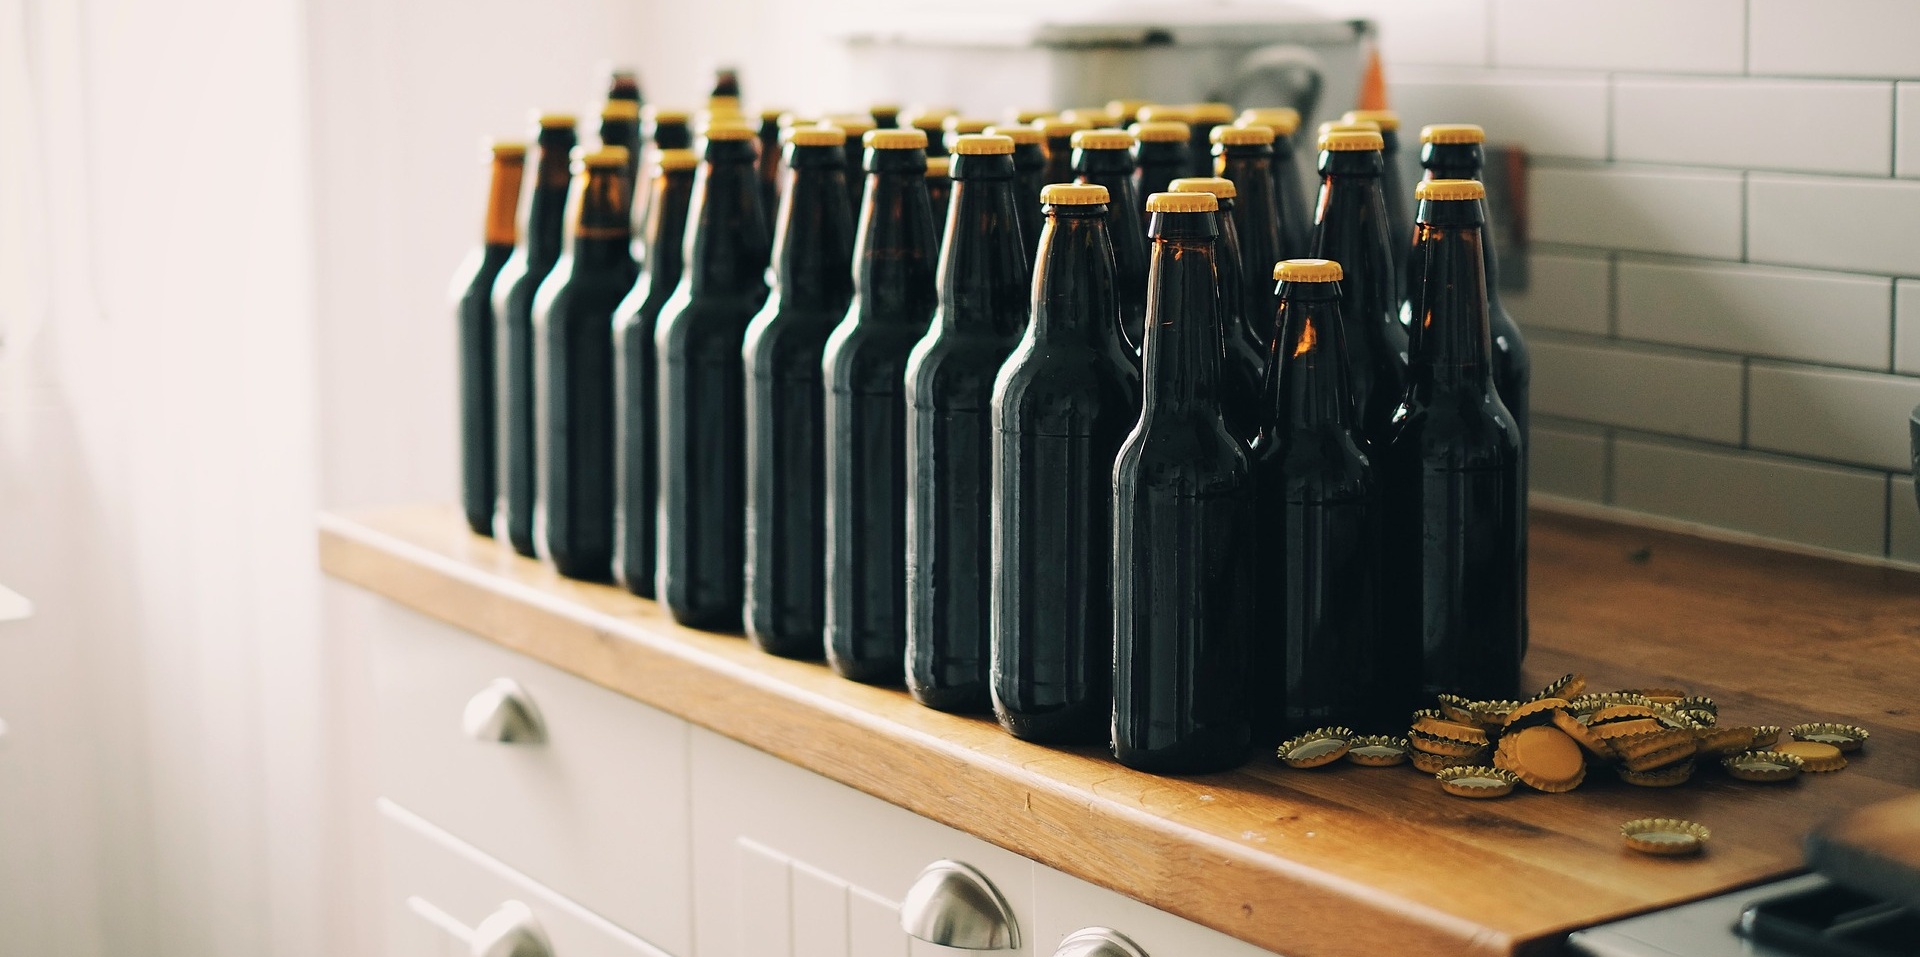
{"type": "Point", "coordinates": [1064, 904]}
{"type": "Point", "coordinates": [597, 810]}
{"type": "Point", "coordinates": [441, 893]}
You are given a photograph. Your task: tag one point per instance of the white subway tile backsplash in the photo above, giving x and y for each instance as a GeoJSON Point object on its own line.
{"type": "Point", "coordinates": [1695, 36]}
{"type": "Point", "coordinates": [1836, 508]}
{"type": "Point", "coordinates": [1739, 123]}
{"type": "Point", "coordinates": [1859, 225]}
{"type": "Point", "coordinates": [1550, 114]}
{"type": "Point", "coordinates": [1565, 293]}
{"type": "Point", "coordinates": [1856, 417]}
{"type": "Point", "coordinates": [1757, 310]}
{"type": "Point", "coordinates": [1658, 210]}
{"type": "Point", "coordinates": [1903, 525]}
{"type": "Point", "coordinates": [1449, 32]}
{"type": "Point", "coordinates": [1567, 458]}
{"type": "Point", "coordinates": [1834, 38]}
{"type": "Point", "coordinates": [1906, 129]}
{"type": "Point", "coordinates": [1638, 388]}
{"type": "Point", "coordinates": [1906, 327]}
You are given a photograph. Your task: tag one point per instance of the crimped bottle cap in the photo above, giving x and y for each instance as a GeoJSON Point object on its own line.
{"type": "Point", "coordinates": [1544, 757]}
{"type": "Point", "coordinates": [1846, 737]}
{"type": "Point", "coordinates": [1566, 686]}
{"type": "Point", "coordinates": [1221, 188]}
{"type": "Point", "coordinates": [617, 156]}
{"type": "Point", "coordinates": [1182, 203]}
{"type": "Point", "coordinates": [725, 128]}
{"type": "Point", "coordinates": [927, 119]}
{"type": "Point", "coordinates": [895, 139]}
{"type": "Point", "coordinates": [1665, 837]}
{"type": "Point", "coordinates": [938, 167]}
{"type": "Point", "coordinates": [1026, 116]}
{"type": "Point", "coordinates": [1445, 133]}
{"type": "Point", "coordinates": [1468, 781]}
{"type": "Point", "coordinates": [1210, 112]}
{"type": "Point", "coordinates": [1125, 108]}
{"type": "Point", "coordinates": [1435, 763]}
{"type": "Point", "coordinates": [723, 104]}
{"type": "Point", "coordinates": [1342, 126]}
{"type": "Point", "coordinates": [884, 107]}
{"type": "Point", "coordinates": [1057, 127]}
{"type": "Point", "coordinates": [1020, 135]}
{"type": "Point", "coordinates": [1449, 189]}
{"type": "Point", "coordinates": [1352, 141]}
{"type": "Point", "coordinates": [1378, 751]}
{"type": "Point", "coordinates": [1307, 270]}
{"type": "Point", "coordinates": [1282, 120]}
{"type": "Point", "coordinates": [817, 136]}
{"type": "Point", "coordinates": [1318, 747]}
{"type": "Point", "coordinates": [1762, 766]}
{"type": "Point", "coordinates": [1074, 194]}
{"type": "Point", "coordinates": [678, 159]}
{"type": "Point", "coordinates": [1105, 139]}
{"type": "Point", "coordinates": [1162, 131]}
{"type": "Point", "coordinates": [1537, 711]}
{"type": "Point", "coordinates": [1387, 119]}
{"type": "Point", "coordinates": [791, 119]}
{"type": "Point", "coordinates": [555, 121]}
{"type": "Point", "coordinates": [1814, 756]}
{"type": "Point", "coordinates": [964, 124]}
{"type": "Point", "coordinates": [1153, 112]}
{"type": "Point", "coordinates": [1670, 776]}
{"type": "Point", "coordinates": [977, 144]}
{"type": "Point", "coordinates": [620, 110]}
{"type": "Point", "coordinates": [1241, 135]}
{"type": "Point", "coordinates": [854, 124]}
{"type": "Point", "coordinates": [1095, 115]}
{"type": "Point", "coordinates": [507, 150]}
{"type": "Point", "coordinates": [664, 114]}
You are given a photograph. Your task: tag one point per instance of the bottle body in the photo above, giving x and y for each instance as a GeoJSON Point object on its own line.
{"type": "Point", "coordinates": [1112, 167]}
{"type": "Point", "coordinates": [1290, 200]}
{"type": "Point", "coordinates": [1351, 228]}
{"type": "Point", "coordinates": [479, 426]}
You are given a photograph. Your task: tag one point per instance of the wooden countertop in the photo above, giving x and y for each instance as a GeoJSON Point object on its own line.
{"type": "Point", "coordinates": [1340, 861]}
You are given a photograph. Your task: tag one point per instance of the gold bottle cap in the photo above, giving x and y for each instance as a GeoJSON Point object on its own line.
{"type": "Point", "coordinates": [1435, 763]}
{"type": "Point", "coordinates": [1020, 135]}
{"type": "Point", "coordinates": [1342, 126]}
{"type": "Point", "coordinates": [1724, 740]}
{"type": "Point", "coordinates": [608, 156]}
{"type": "Point", "coordinates": [1588, 704]}
{"type": "Point", "coordinates": [1623, 712]}
{"type": "Point", "coordinates": [979, 144]}
{"type": "Point", "coordinates": [1056, 127]}
{"type": "Point", "coordinates": [678, 159]}
{"type": "Point", "coordinates": [1583, 735]}
{"type": "Point", "coordinates": [1451, 133]}
{"type": "Point", "coordinates": [1155, 112]}
{"type": "Point", "coordinates": [1220, 187]}
{"type": "Point", "coordinates": [507, 150]}
{"type": "Point", "coordinates": [1241, 135]}
{"type": "Point", "coordinates": [1210, 112]}
{"type": "Point", "coordinates": [1282, 120]}
{"type": "Point", "coordinates": [1182, 203]}
{"type": "Point", "coordinates": [1312, 270]}
{"type": "Point", "coordinates": [1445, 190]}
{"type": "Point", "coordinates": [1378, 751]}
{"type": "Point", "coordinates": [1124, 108]}
{"type": "Point", "coordinates": [556, 121]}
{"type": "Point", "coordinates": [1846, 737]}
{"type": "Point", "coordinates": [771, 113]}
{"type": "Point", "coordinates": [1670, 776]}
{"type": "Point", "coordinates": [854, 123]}
{"type": "Point", "coordinates": [1162, 131]}
{"type": "Point", "coordinates": [1665, 837]}
{"type": "Point", "coordinates": [1095, 115]}
{"type": "Point", "coordinates": [1445, 745]}
{"type": "Point", "coordinates": [1103, 139]}
{"type": "Point", "coordinates": [894, 139]}
{"type": "Point", "coordinates": [1544, 757]}
{"type": "Point", "coordinates": [1765, 736]}
{"type": "Point", "coordinates": [1565, 686]}
{"type": "Point", "coordinates": [1762, 766]}
{"type": "Point", "coordinates": [1614, 730]}
{"type": "Point", "coordinates": [938, 167]}
{"type": "Point", "coordinates": [1353, 141]}
{"type": "Point", "coordinates": [791, 119]}
{"type": "Point", "coordinates": [1657, 749]}
{"type": "Point", "coordinates": [817, 136]}
{"type": "Point", "coordinates": [884, 107]}
{"type": "Point", "coordinates": [1468, 781]}
{"type": "Point", "coordinates": [1453, 707]}
{"type": "Point", "coordinates": [1026, 116]}
{"type": "Point", "coordinates": [1314, 748]}
{"type": "Point", "coordinates": [663, 114]}
{"type": "Point", "coordinates": [1493, 714]}
{"type": "Point", "coordinates": [1433, 724]}
{"type": "Point", "coordinates": [1814, 756]}
{"type": "Point", "coordinates": [620, 110]}
{"type": "Point", "coordinates": [729, 129]}
{"type": "Point", "coordinates": [1073, 194]}
{"type": "Point", "coordinates": [926, 119]}
{"type": "Point", "coordinates": [1537, 711]}
{"type": "Point", "coordinates": [964, 124]}
{"type": "Point", "coordinates": [1386, 119]}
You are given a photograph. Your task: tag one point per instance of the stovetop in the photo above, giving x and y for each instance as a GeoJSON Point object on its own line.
{"type": "Point", "coordinates": [1800, 917]}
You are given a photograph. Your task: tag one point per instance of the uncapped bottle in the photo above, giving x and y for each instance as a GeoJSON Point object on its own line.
{"type": "Point", "coordinates": [1351, 229]}
{"type": "Point", "coordinates": [886, 116]}
{"type": "Point", "coordinates": [940, 192]}
{"type": "Point", "coordinates": [1058, 134]}
{"type": "Point", "coordinates": [701, 576]}
{"type": "Point", "coordinates": [1105, 158]}
{"type": "Point", "coordinates": [620, 126]}
{"type": "Point", "coordinates": [543, 223]}
{"type": "Point", "coordinates": [770, 155]}
{"type": "Point", "coordinates": [1163, 155]}
{"type": "Point", "coordinates": [623, 84]}
{"type": "Point", "coordinates": [1181, 585]}
{"type": "Point", "coordinates": [1245, 156]}
{"type": "Point", "coordinates": [786, 424]}
{"type": "Point", "coordinates": [1242, 363]}
{"type": "Point", "coordinates": [1317, 527]}
{"type": "Point", "coordinates": [865, 370]}
{"type": "Point", "coordinates": [1062, 404]}
{"type": "Point", "coordinates": [1394, 184]}
{"type": "Point", "coordinates": [1451, 472]}
{"type": "Point", "coordinates": [636, 377]}
{"type": "Point", "coordinates": [474, 325]}
{"type": "Point", "coordinates": [1029, 176]}
{"type": "Point", "coordinates": [573, 373]}
{"type": "Point", "coordinates": [726, 83]}
{"type": "Point", "coordinates": [856, 126]}
{"type": "Point", "coordinates": [1289, 195]}
{"type": "Point", "coordinates": [984, 286]}
{"type": "Point", "coordinates": [1206, 117]}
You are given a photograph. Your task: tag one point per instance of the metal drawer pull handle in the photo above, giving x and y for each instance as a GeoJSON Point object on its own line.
{"type": "Point", "coordinates": [510, 931]}
{"type": "Point", "coordinates": [504, 712]}
{"type": "Point", "coordinates": [953, 905]}
{"type": "Point", "coordinates": [1098, 942]}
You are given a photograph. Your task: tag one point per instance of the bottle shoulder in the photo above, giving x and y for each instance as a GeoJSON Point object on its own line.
{"type": "Point", "coordinates": [1071, 380]}
{"type": "Point", "coordinates": [1453, 430]}
{"type": "Point", "coordinates": [1185, 455]}
{"type": "Point", "coordinates": [783, 329]}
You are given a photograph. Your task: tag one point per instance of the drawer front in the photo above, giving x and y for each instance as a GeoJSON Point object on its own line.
{"type": "Point", "coordinates": [1063, 905]}
{"type": "Point", "coordinates": [597, 810]}
{"type": "Point", "coordinates": [446, 899]}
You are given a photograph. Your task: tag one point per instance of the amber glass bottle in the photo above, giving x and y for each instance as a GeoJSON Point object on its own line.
{"type": "Point", "coordinates": [573, 373]}
{"type": "Point", "coordinates": [1242, 363]}
{"type": "Point", "coordinates": [940, 192]}
{"type": "Point", "coordinates": [1206, 117]}
{"type": "Point", "coordinates": [543, 224]}
{"type": "Point", "coordinates": [1126, 110]}
{"type": "Point", "coordinates": [474, 325]}
{"type": "Point", "coordinates": [1062, 405]}
{"type": "Point", "coordinates": [931, 121]}
{"type": "Point", "coordinates": [623, 84]}
{"type": "Point", "coordinates": [1289, 196]}
{"type": "Point", "coordinates": [856, 126]}
{"type": "Point", "coordinates": [1105, 158]}
{"type": "Point", "coordinates": [886, 116]}
{"type": "Point", "coordinates": [984, 286]}
{"type": "Point", "coordinates": [1164, 154]}
{"type": "Point", "coordinates": [636, 377]}
{"type": "Point", "coordinates": [1351, 229]}
{"type": "Point", "coordinates": [1245, 156]}
{"type": "Point", "coordinates": [1394, 184]}
{"type": "Point", "coordinates": [954, 127]}
{"type": "Point", "coordinates": [1029, 176]}
{"type": "Point", "coordinates": [620, 126]}
{"type": "Point", "coordinates": [1059, 138]}
{"type": "Point", "coordinates": [660, 130]}
{"type": "Point", "coordinates": [865, 370]}
{"type": "Point", "coordinates": [1451, 471]}
{"type": "Point", "coordinates": [1318, 528]}
{"type": "Point", "coordinates": [702, 395]}
{"type": "Point", "coordinates": [769, 168]}
{"type": "Point", "coordinates": [786, 417]}
{"type": "Point", "coordinates": [1181, 586]}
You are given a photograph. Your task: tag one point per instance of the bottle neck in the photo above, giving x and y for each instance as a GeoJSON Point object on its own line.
{"type": "Point", "coordinates": [1029, 158]}
{"type": "Point", "coordinates": [727, 252]}
{"type": "Point", "coordinates": [666, 228]}
{"type": "Point", "coordinates": [602, 230]}
{"type": "Point", "coordinates": [546, 218]}
{"type": "Point", "coordinates": [1100, 166]}
{"type": "Point", "coordinates": [503, 200]}
{"type": "Point", "coordinates": [1351, 221]}
{"type": "Point", "coordinates": [1450, 346]}
{"type": "Point", "coordinates": [1174, 155]}
{"type": "Point", "coordinates": [812, 256]}
{"type": "Point", "coordinates": [1452, 160]}
{"type": "Point", "coordinates": [1256, 209]}
{"type": "Point", "coordinates": [894, 265]}
{"type": "Point", "coordinates": [1181, 358]}
{"type": "Point", "coordinates": [984, 280]}
{"type": "Point", "coordinates": [1308, 392]}
{"type": "Point", "coordinates": [1073, 293]}
{"type": "Point", "coordinates": [672, 136]}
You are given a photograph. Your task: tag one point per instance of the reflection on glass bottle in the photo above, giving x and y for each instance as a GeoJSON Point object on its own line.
{"type": "Point", "coordinates": [474, 324]}
{"type": "Point", "coordinates": [1105, 158]}
{"type": "Point", "coordinates": [1350, 228]}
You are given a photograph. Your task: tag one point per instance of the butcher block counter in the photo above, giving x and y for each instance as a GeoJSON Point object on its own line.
{"type": "Point", "coordinates": [1339, 860]}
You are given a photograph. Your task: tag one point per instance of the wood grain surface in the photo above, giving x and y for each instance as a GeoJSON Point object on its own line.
{"type": "Point", "coordinates": [1340, 861]}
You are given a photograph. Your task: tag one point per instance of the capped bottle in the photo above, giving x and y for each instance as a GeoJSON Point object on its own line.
{"type": "Point", "coordinates": [1163, 155]}
{"type": "Point", "coordinates": [940, 192]}
{"type": "Point", "coordinates": [1245, 156]}
{"type": "Point", "coordinates": [1351, 229]}
{"type": "Point", "coordinates": [1242, 364]}
{"type": "Point", "coordinates": [636, 377]}
{"type": "Point", "coordinates": [856, 126]}
{"type": "Point", "coordinates": [865, 370]}
{"type": "Point", "coordinates": [474, 327]}
{"type": "Point", "coordinates": [1451, 471]}
{"type": "Point", "coordinates": [543, 223]}
{"type": "Point", "coordinates": [1062, 404]}
{"type": "Point", "coordinates": [786, 417]}
{"type": "Point", "coordinates": [1028, 116]}
{"type": "Point", "coordinates": [931, 120]}
{"type": "Point", "coordinates": [984, 285]}
{"type": "Point", "coordinates": [1317, 524]}
{"type": "Point", "coordinates": [1181, 584]}
{"type": "Point", "coordinates": [954, 127]}
{"type": "Point", "coordinates": [660, 130]}
{"type": "Point", "coordinates": [1168, 113]}
{"type": "Point", "coordinates": [1394, 185]}
{"type": "Point", "coordinates": [726, 83]}
{"type": "Point", "coordinates": [623, 84]}
{"type": "Point", "coordinates": [1058, 134]}
{"type": "Point", "coordinates": [1206, 117]}
{"type": "Point", "coordinates": [1289, 196]}
{"type": "Point", "coordinates": [1126, 109]}
{"type": "Point", "coordinates": [1105, 158]}
{"type": "Point", "coordinates": [620, 126]}
{"type": "Point", "coordinates": [770, 156]}
{"type": "Point", "coordinates": [1029, 177]}
{"type": "Point", "coordinates": [573, 373]}
{"type": "Point", "coordinates": [1096, 117]}
{"type": "Point", "coordinates": [701, 575]}
{"type": "Point", "coordinates": [886, 116]}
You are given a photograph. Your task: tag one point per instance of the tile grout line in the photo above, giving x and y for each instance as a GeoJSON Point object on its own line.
{"type": "Point", "coordinates": [1886, 520]}
{"type": "Point", "coordinates": [1746, 402]}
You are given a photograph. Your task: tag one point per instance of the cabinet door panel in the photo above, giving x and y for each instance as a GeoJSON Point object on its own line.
{"type": "Point", "coordinates": [1064, 904]}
